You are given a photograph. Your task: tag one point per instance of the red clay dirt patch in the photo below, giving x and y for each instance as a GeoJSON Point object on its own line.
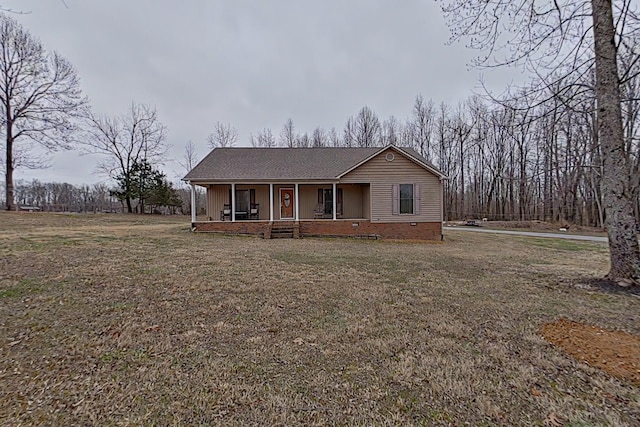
{"type": "Point", "coordinates": [615, 352]}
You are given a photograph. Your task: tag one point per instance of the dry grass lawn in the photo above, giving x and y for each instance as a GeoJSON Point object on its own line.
{"type": "Point", "coordinates": [129, 320]}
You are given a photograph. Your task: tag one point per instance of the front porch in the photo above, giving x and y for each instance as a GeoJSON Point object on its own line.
{"type": "Point", "coordinates": [273, 202]}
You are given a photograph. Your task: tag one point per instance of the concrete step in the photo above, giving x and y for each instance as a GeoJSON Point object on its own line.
{"type": "Point", "coordinates": [283, 231]}
{"type": "Point", "coordinates": [284, 235]}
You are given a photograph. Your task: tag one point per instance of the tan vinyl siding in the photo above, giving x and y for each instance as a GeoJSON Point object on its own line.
{"type": "Point", "coordinates": [352, 199]}
{"type": "Point", "coordinates": [218, 195]}
{"type": "Point", "coordinates": [366, 201]}
{"type": "Point", "coordinates": [382, 174]}
{"type": "Point", "coordinates": [309, 199]}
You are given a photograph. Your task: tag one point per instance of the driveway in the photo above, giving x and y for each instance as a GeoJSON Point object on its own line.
{"type": "Point", "coordinates": [530, 234]}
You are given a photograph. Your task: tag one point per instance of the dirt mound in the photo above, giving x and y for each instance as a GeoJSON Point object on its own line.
{"type": "Point", "coordinates": [615, 352]}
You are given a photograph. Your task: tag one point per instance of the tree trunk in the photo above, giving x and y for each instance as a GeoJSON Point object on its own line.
{"type": "Point", "coordinates": [462, 211]}
{"type": "Point", "coordinates": [9, 167]}
{"type": "Point", "coordinates": [616, 182]}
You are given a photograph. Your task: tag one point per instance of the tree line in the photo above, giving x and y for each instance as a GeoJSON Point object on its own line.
{"type": "Point", "coordinates": [97, 198]}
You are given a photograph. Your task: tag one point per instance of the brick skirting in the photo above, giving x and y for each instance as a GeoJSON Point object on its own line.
{"type": "Point", "coordinates": [343, 228]}
{"type": "Point", "coordinates": [227, 227]}
{"type": "Point", "coordinates": [386, 230]}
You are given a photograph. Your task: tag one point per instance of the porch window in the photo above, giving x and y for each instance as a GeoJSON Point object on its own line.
{"type": "Point", "coordinates": [244, 200]}
{"type": "Point", "coordinates": [325, 198]}
{"type": "Point", "coordinates": [406, 199]}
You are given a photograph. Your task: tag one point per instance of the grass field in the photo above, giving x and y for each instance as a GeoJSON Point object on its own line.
{"type": "Point", "coordinates": [129, 320]}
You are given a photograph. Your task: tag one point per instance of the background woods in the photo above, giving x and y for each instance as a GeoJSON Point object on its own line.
{"type": "Point", "coordinates": [534, 154]}
{"type": "Point", "coordinates": [504, 160]}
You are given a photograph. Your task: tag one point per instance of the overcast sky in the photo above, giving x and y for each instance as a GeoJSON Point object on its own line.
{"type": "Point", "coordinates": [251, 63]}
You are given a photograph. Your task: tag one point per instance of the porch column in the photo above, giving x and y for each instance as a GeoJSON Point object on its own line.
{"type": "Point", "coordinates": [335, 198]}
{"type": "Point", "coordinates": [193, 203]}
{"type": "Point", "coordinates": [233, 202]}
{"type": "Point", "coordinates": [297, 216]}
{"type": "Point", "coordinates": [271, 202]}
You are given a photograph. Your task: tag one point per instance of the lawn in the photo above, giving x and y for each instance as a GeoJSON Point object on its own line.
{"type": "Point", "coordinates": [130, 320]}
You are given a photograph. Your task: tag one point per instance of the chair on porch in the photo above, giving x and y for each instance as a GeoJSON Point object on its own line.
{"type": "Point", "coordinates": [318, 212]}
{"type": "Point", "coordinates": [254, 211]}
{"type": "Point", "coordinates": [225, 212]}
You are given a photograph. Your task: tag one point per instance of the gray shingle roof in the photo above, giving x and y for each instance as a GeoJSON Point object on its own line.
{"type": "Point", "coordinates": [252, 164]}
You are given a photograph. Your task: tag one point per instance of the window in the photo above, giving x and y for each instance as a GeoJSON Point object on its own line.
{"type": "Point", "coordinates": [406, 198]}
{"type": "Point", "coordinates": [325, 198]}
{"type": "Point", "coordinates": [244, 198]}
{"type": "Point", "coordinates": [328, 201]}
{"type": "Point", "coordinates": [242, 201]}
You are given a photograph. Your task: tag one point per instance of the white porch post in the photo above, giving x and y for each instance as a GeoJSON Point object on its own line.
{"type": "Point", "coordinates": [233, 202]}
{"type": "Point", "coordinates": [335, 198]}
{"type": "Point", "coordinates": [297, 214]}
{"type": "Point", "coordinates": [271, 202]}
{"type": "Point", "coordinates": [193, 203]}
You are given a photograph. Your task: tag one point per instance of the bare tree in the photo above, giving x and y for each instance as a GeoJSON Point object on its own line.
{"type": "Point", "coordinates": [367, 128]}
{"type": "Point", "coordinates": [40, 95]}
{"type": "Point", "coordinates": [189, 161]}
{"type": "Point", "coordinates": [223, 135]}
{"type": "Point", "coordinates": [303, 140]}
{"type": "Point", "coordinates": [391, 131]}
{"type": "Point", "coordinates": [264, 139]}
{"type": "Point", "coordinates": [125, 141]}
{"type": "Point", "coordinates": [423, 118]}
{"type": "Point", "coordinates": [349, 136]}
{"type": "Point", "coordinates": [288, 134]}
{"type": "Point", "coordinates": [334, 139]}
{"type": "Point", "coordinates": [190, 157]}
{"type": "Point", "coordinates": [546, 36]}
{"type": "Point", "coordinates": [319, 138]}
{"type": "Point", "coordinates": [461, 128]}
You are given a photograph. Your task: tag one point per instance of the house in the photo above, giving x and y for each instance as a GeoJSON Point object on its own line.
{"type": "Point", "coordinates": [388, 192]}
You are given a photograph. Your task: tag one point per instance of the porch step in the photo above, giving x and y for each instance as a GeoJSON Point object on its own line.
{"type": "Point", "coordinates": [283, 231]}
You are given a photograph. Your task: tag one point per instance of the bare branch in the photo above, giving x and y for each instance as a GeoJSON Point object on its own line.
{"type": "Point", "coordinates": [223, 135]}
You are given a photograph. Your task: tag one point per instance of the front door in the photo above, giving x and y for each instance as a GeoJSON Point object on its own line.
{"type": "Point", "coordinates": [286, 203]}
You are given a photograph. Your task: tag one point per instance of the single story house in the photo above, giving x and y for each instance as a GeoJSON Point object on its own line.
{"type": "Point", "coordinates": [388, 192]}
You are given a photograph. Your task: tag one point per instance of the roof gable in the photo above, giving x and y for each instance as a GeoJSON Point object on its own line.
{"type": "Point", "coordinates": [409, 153]}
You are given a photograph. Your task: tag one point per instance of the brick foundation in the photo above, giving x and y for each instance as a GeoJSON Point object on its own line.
{"type": "Point", "coordinates": [227, 227]}
{"type": "Point", "coordinates": [342, 228]}
{"type": "Point", "coordinates": [386, 230]}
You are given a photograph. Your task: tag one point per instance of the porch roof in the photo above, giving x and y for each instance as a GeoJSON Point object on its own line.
{"type": "Point", "coordinates": [278, 164]}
